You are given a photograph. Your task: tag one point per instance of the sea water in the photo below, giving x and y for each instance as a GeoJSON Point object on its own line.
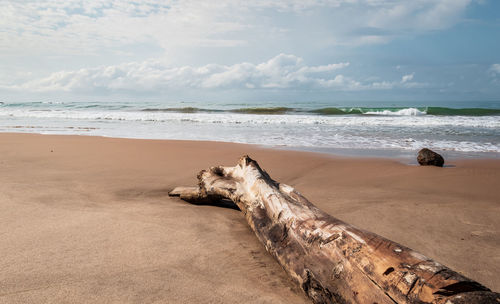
{"type": "Point", "coordinates": [372, 129]}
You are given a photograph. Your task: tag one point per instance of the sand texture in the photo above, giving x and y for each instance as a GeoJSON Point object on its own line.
{"type": "Point", "coordinates": [88, 219]}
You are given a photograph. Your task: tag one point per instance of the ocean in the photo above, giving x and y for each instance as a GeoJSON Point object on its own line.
{"type": "Point", "coordinates": [467, 129]}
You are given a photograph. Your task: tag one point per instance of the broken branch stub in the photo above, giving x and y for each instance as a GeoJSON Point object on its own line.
{"type": "Point", "coordinates": [333, 262]}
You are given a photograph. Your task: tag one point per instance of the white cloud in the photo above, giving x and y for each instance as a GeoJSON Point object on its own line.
{"type": "Point", "coordinates": [495, 68]}
{"type": "Point", "coordinates": [83, 27]}
{"type": "Point", "coordinates": [280, 72]}
{"type": "Point", "coordinates": [417, 14]}
{"type": "Point", "coordinates": [407, 78]}
{"type": "Point", "coordinates": [88, 26]}
{"type": "Point", "coordinates": [38, 37]}
{"type": "Point", "coordinates": [405, 83]}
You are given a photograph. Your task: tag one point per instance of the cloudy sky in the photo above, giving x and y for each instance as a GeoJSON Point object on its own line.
{"type": "Point", "coordinates": [413, 50]}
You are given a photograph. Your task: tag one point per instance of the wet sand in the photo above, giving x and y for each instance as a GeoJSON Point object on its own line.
{"type": "Point", "coordinates": [88, 219]}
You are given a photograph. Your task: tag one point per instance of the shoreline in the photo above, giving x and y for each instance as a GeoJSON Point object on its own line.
{"type": "Point", "coordinates": [406, 156]}
{"type": "Point", "coordinates": [87, 218]}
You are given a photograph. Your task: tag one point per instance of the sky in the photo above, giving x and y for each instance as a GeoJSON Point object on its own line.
{"type": "Point", "coordinates": [295, 50]}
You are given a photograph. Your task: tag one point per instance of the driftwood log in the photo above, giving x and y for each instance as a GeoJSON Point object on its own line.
{"type": "Point", "coordinates": [332, 261]}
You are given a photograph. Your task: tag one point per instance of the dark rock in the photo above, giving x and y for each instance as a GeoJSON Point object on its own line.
{"type": "Point", "coordinates": [428, 157]}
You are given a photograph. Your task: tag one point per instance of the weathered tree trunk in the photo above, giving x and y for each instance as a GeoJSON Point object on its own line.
{"type": "Point", "coordinates": [332, 261]}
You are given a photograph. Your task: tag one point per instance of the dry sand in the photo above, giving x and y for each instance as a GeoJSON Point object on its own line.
{"type": "Point", "coordinates": [88, 219]}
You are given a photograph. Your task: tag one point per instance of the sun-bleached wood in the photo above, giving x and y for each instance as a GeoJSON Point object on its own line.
{"type": "Point", "coordinates": [333, 262]}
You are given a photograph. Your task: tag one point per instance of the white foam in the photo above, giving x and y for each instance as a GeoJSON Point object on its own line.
{"type": "Point", "coordinates": [252, 119]}
{"type": "Point", "coordinates": [402, 112]}
{"type": "Point", "coordinates": [403, 132]}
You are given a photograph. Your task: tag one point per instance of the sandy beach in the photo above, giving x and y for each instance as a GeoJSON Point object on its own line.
{"type": "Point", "coordinates": [88, 219]}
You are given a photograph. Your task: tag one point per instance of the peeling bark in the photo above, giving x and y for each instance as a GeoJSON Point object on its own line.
{"type": "Point", "coordinates": [332, 261]}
